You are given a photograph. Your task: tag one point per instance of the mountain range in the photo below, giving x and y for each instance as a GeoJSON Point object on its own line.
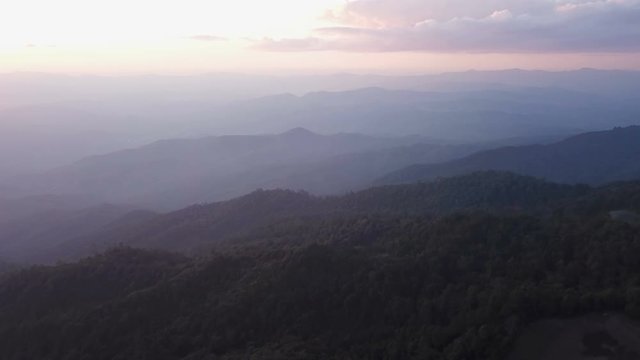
{"type": "Point", "coordinates": [73, 234]}
{"type": "Point", "coordinates": [49, 125]}
{"type": "Point", "coordinates": [175, 173]}
{"type": "Point", "coordinates": [172, 174]}
{"type": "Point", "coordinates": [458, 268]}
{"type": "Point", "coordinates": [590, 158]}
{"type": "Point", "coordinates": [460, 116]}
{"type": "Point", "coordinates": [76, 217]}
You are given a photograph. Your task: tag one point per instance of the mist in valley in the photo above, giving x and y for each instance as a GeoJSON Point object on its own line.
{"type": "Point", "coordinates": [362, 179]}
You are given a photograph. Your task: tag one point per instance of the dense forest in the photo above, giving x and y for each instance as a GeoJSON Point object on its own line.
{"type": "Point", "coordinates": [459, 283]}
{"type": "Point", "coordinates": [201, 226]}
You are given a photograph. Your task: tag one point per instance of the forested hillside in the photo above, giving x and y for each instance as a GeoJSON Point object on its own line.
{"type": "Point", "coordinates": [199, 227]}
{"type": "Point", "coordinates": [365, 286]}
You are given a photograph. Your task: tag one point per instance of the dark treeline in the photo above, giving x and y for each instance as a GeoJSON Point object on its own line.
{"type": "Point", "coordinates": [201, 226]}
{"type": "Point", "coordinates": [377, 285]}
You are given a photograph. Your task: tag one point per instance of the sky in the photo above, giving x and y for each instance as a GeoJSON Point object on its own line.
{"type": "Point", "coordinates": [316, 36]}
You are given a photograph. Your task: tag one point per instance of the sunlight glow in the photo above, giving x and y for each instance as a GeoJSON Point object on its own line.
{"type": "Point", "coordinates": [120, 36]}
{"type": "Point", "coordinates": [91, 23]}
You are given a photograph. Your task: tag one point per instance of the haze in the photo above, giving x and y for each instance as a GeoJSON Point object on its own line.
{"type": "Point", "coordinates": [330, 179]}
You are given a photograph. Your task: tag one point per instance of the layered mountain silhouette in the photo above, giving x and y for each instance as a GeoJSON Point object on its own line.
{"type": "Point", "coordinates": [175, 173]}
{"type": "Point", "coordinates": [387, 271]}
{"type": "Point", "coordinates": [451, 216]}
{"type": "Point", "coordinates": [462, 115]}
{"type": "Point", "coordinates": [68, 235]}
{"type": "Point", "coordinates": [591, 158]}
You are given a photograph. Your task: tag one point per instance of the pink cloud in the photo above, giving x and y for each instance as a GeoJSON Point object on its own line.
{"type": "Point", "coordinates": [514, 26]}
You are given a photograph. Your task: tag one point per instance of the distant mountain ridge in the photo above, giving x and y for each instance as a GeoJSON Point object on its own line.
{"type": "Point", "coordinates": [461, 115]}
{"type": "Point", "coordinates": [171, 174]}
{"type": "Point", "coordinates": [360, 285]}
{"type": "Point", "coordinates": [592, 158]}
{"type": "Point", "coordinates": [369, 243]}
{"type": "Point", "coordinates": [49, 126]}
{"type": "Point", "coordinates": [201, 226]}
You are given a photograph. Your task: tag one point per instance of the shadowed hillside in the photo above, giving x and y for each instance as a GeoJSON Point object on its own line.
{"type": "Point", "coordinates": [171, 174]}
{"type": "Point", "coordinates": [362, 286]}
{"type": "Point", "coordinates": [202, 226]}
{"type": "Point", "coordinates": [593, 158]}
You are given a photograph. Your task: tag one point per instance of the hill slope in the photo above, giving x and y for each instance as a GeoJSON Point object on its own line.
{"type": "Point", "coordinates": [593, 158]}
{"type": "Point", "coordinates": [361, 287]}
{"type": "Point", "coordinates": [70, 235]}
{"type": "Point", "coordinates": [203, 226]}
{"type": "Point", "coordinates": [175, 173]}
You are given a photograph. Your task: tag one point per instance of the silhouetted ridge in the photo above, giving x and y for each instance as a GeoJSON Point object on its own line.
{"type": "Point", "coordinates": [171, 174]}
{"type": "Point", "coordinates": [593, 158]}
{"type": "Point", "coordinates": [202, 226]}
{"type": "Point", "coordinates": [206, 225]}
{"type": "Point", "coordinates": [299, 132]}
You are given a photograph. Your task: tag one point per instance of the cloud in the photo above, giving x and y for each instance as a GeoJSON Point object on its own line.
{"type": "Point", "coordinates": [207, 38]}
{"type": "Point", "coordinates": [492, 26]}
{"type": "Point", "coordinates": [409, 12]}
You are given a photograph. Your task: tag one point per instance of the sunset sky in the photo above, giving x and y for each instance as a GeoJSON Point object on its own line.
{"type": "Point", "coordinates": [385, 36]}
